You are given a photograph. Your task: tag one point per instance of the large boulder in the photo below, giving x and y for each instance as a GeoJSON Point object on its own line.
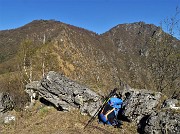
{"type": "Point", "coordinates": [139, 103]}
{"type": "Point", "coordinates": [147, 110]}
{"type": "Point", "coordinates": [65, 93]}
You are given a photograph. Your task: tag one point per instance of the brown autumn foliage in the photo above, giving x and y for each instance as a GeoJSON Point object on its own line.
{"type": "Point", "coordinates": [125, 53]}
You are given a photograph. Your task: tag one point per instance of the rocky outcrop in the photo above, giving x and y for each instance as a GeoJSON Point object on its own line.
{"type": "Point", "coordinates": [139, 103]}
{"type": "Point", "coordinates": [151, 115]}
{"type": "Point", "coordinates": [65, 94]}
{"type": "Point", "coordinates": [145, 108]}
{"type": "Point", "coordinates": [164, 122]}
{"type": "Point", "coordinates": [6, 103]}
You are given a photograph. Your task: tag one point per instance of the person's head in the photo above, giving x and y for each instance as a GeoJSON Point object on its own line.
{"type": "Point", "coordinates": [117, 94]}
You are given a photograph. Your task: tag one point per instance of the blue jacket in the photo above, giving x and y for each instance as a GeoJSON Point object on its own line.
{"type": "Point", "coordinates": [115, 103]}
{"type": "Point", "coordinates": [110, 110]}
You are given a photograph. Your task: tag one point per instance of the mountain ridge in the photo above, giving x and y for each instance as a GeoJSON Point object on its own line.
{"type": "Point", "coordinates": [99, 61]}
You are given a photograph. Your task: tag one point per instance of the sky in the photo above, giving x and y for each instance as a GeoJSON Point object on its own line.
{"type": "Point", "coordinates": [95, 15]}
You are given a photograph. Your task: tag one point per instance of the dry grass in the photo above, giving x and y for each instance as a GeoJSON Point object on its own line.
{"type": "Point", "coordinates": [47, 120]}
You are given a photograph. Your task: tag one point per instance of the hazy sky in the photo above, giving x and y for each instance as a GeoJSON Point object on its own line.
{"type": "Point", "coordinates": [95, 15]}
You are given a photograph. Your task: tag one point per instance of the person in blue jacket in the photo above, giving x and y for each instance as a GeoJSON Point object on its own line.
{"type": "Point", "coordinates": [109, 113]}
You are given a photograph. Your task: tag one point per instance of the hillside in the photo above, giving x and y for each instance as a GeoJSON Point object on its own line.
{"type": "Point", "coordinates": [125, 53]}
{"type": "Point", "coordinates": [150, 56]}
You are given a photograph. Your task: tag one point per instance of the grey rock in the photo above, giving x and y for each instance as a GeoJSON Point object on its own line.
{"type": "Point", "coordinates": [65, 93]}
{"type": "Point", "coordinates": [139, 103]}
{"type": "Point", "coordinates": [164, 122]}
{"type": "Point", "coordinates": [169, 103]}
{"type": "Point", "coordinates": [6, 118]}
{"type": "Point", "coordinates": [140, 106]}
{"type": "Point", "coordinates": [9, 118]}
{"type": "Point", "coordinates": [6, 102]}
{"type": "Point", "coordinates": [78, 99]}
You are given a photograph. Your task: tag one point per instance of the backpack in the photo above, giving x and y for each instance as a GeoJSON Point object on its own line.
{"type": "Point", "coordinates": [113, 105]}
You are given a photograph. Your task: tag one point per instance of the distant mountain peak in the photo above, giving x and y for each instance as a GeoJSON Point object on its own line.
{"type": "Point", "coordinates": [135, 26]}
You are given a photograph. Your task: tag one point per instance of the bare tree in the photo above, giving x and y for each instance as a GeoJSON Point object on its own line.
{"type": "Point", "coordinates": [164, 57]}
{"type": "Point", "coordinates": [26, 52]}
